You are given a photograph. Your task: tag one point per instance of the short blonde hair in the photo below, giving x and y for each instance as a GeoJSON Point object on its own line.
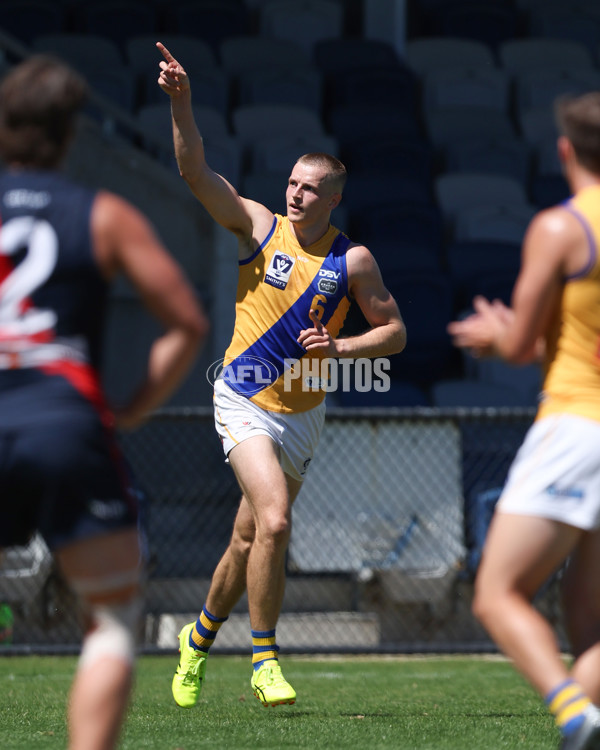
{"type": "Point", "coordinates": [336, 171]}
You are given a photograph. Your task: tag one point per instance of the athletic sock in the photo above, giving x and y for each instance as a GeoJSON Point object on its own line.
{"type": "Point", "coordinates": [263, 647]}
{"type": "Point", "coordinates": [204, 632]}
{"type": "Point", "coordinates": [567, 702]}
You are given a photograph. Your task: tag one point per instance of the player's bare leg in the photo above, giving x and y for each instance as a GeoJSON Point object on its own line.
{"type": "Point", "coordinates": [105, 570]}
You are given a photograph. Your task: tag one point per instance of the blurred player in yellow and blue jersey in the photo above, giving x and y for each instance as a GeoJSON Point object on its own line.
{"type": "Point", "coordinates": [549, 511]}
{"type": "Point", "coordinates": [297, 275]}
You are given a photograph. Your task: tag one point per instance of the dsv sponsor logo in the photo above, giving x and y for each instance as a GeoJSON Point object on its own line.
{"type": "Point", "coordinates": [253, 373]}
{"type": "Point", "coordinates": [328, 281]}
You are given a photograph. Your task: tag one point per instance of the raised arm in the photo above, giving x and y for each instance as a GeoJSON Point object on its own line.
{"type": "Point", "coordinates": [125, 242]}
{"type": "Point", "coordinates": [387, 333]}
{"type": "Point", "coordinates": [244, 218]}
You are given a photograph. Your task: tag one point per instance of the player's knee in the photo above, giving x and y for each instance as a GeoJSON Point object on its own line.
{"type": "Point", "coordinates": [114, 606]}
{"type": "Point", "coordinates": [276, 528]}
{"type": "Point", "coordinates": [482, 606]}
{"type": "Point", "coordinates": [113, 632]}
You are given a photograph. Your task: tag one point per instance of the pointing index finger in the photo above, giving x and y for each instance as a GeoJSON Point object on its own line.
{"type": "Point", "coordinates": [313, 316]}
{"type": "Point", "coordinates": [165, 52]}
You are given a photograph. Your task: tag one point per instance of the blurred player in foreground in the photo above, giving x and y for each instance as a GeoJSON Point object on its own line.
{"type": "Point", "coordinates": [297, 275]}
{"type": "Point", "coordinates": [61, 472]}
{"type": "Point", "coordinates": [549, 511]}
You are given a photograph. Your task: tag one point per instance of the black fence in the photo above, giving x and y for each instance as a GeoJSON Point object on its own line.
{"type": "Point", "coordinates": [387, 535]}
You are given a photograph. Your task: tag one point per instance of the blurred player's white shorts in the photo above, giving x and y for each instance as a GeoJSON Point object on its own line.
{"type": "Point", "coordinates": [556, 472]}
{"type": "Point", "coordinates": [296, 435]}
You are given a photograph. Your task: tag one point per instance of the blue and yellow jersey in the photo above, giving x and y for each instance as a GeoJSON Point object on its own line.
{"type": "Point", "coordinates": [572, 379]}
{"type": "Point", "coordinates": [277, 287]}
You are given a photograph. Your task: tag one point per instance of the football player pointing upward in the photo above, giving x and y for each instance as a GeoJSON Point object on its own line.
{"type": "Point", "coordinates": [297, 276]}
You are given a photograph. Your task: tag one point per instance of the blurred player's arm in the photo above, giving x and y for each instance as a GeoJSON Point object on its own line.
{"type": "Point", "coordinates": [125, 242]}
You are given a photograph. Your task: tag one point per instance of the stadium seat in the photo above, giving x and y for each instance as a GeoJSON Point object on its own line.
{"type": "Point", "coordinates": [454, 124]}
{"type": "Point", "coordinates": [333, 56]}
{"type": "Point", "coordinates": [495, 223]}
{"type": "Point", "coordinates": [366, 190]}
{"type": "Point", "coordinates": [542, 86]}
{"type": "Point", "coordinates": [155, 119]}
{"type": "Point", "coordinates": [225, 155]}
{"type": "Point", "coordinates": [258, 121]}
{"type": "Point", "coordinates": [279, 153]}
{"type": "Point", "coordinates": [537, 125]}
{"type": "Point", "coordinates": [281, 85]}
{"type": "Point", "coordinates": [546, 157]}
{"type": "Point", "coordinates": [117, 84]}
{"type": "Point", "coordinates": [566, 22]}
{"type": "Point", "coordinates": [353, 125]}
{"type": "Point", "coordinates": [455, 191]}
{"type": "Point", "coordinates": [518, 55]}
{"type": "Point", "coordinates": [442, 53]}
{"type": "Point", "coordinates": [405, 157]}
{"type": "Point", "coordinates": [239, 54]}
{"type": "Point", "coordinates": [212, 21]}
{"type": "Point", "coordinates": [306, 22]}
{"type": "Point", "coordinates": [100, 60]}
{"type": "Point", "coordinates": [508, 156]}
{"type": "Point", "coordinates": [396, 84]}
{"type": "Point", "coordinates": [472, 86]}
{"type": "Point", "coordinates": [83, 51]}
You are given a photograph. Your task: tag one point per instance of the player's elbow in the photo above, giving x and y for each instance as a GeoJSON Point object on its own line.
{"type": "Point", "coordinates": [194, 331]}
{"type": "Point", "coordinates": [198, 328]}
{"type": "Point", "coordinates": [398, 341]}
{"type": "Point", "coordinates": [515, 353]}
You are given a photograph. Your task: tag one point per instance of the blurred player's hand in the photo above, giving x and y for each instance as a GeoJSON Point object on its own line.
{"type": "Point", "coordinates": [479, 332]}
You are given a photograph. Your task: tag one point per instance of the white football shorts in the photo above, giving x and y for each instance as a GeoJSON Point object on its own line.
{"type": "Point", "coordinates": [296, 435]}
{"type": "Point", "coordinates": [556, 472]}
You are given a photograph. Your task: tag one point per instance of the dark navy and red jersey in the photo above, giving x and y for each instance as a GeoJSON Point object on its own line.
{"type": "Point", "coordinates": [60, 469]}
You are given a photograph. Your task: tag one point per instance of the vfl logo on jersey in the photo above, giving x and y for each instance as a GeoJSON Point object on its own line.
{"type": "Point", "coordinates": [279, 270]}
{"type": "Point", "coordinates": [328, 281]}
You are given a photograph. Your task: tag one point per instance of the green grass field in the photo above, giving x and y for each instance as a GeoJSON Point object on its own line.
{"type": "Point", "coordinates": [437, 702]}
